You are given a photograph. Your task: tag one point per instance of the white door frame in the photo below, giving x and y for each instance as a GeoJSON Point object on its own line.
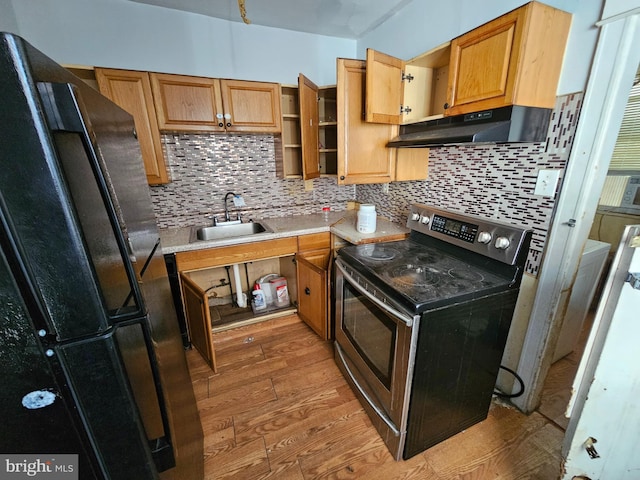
{"type": "Point", "coordinates": [614, 66]}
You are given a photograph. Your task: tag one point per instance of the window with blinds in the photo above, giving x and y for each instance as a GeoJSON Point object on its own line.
{"type": "Point", "coordinates": [626, 154]}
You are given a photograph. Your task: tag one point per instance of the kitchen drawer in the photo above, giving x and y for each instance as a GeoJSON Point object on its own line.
{"type": "Point", "coordinates": [314, 241]}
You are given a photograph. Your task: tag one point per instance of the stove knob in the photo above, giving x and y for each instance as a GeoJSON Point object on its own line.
{"type": "Point", "coordinates": [425, 219]}
{"type": "Point", "coordinates": [415, 216]}
{"type": "Point", "coordinates": [484, 237]}
{"type": "Point", "coordinates": [502, 243]}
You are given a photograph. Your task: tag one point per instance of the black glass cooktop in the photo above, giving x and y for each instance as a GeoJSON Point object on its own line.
{"type": "Point", "coordinates": [425, 275]}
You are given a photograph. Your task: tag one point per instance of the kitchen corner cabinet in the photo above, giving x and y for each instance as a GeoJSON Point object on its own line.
{"type": "Point", "coordinates": [199, 104]}
{"type": "Point", "coordinates": [131, 90]}
{"type": "Point", "coordinates": [309, 131]}
{"type": "Point", "coordinates": [363, 156]}
{"type": "Point", "coordinates": [313, 264]}
{"type": "Point", "coordinates": [513, 60]}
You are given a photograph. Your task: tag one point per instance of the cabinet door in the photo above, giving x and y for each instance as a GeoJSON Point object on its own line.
{"type": "Point", "coordinates": [309, 119]}
{"type": "Point", "coordinates": [412, 164]}
{"type": "Point", "coordinates": [363, 156]}
{"type": "Point", "coordinates": [188, 103]}
{"type": "Point", "coordinates": [131, 90]}
{"type": "Point", "coordinates": [515, 59]}
{"type": "Point", "coordinates": [312, 291]}
{"type": "Point", "coordinates": [196, 309]}
{"type": "Point", "coordinates": [483, 64]}
{"type": "Point", "coordinates": [251, 106]}
{"type": "Point", "coordinates": [384, 88]}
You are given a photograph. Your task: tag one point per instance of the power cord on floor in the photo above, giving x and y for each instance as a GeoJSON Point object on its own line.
{"type": "Point", "coordinates": [511, 395]}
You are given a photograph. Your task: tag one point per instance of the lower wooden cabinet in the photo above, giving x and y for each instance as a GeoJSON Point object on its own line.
{"type": "Point", "coordinates": [197, 313]}
{"type": "Point", "coordinates": [313, 290]}
{"type": "Point", "coordinates": [313, 265]}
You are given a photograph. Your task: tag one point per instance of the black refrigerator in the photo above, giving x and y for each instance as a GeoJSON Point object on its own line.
{"type": "Point", "coordinates": [91, 356]}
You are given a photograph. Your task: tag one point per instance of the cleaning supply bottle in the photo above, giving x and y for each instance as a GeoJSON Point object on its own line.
{"type": "Point", "coordinates": [259, 301]}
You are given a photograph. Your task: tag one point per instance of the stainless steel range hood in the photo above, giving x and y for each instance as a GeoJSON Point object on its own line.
{"type": "Point", "coordinates": [500, 125]}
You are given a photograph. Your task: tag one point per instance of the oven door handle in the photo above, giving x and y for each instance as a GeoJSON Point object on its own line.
{"type": "Point", "coordinates": [387, 308]}
{"type": "Point", "coordinates": [383, 416]}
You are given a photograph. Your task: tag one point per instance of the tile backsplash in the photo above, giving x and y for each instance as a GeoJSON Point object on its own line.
{"type": "Point", "coordinates": [495, 181]}
{"type": "Point", "coordinates": [204, 167]}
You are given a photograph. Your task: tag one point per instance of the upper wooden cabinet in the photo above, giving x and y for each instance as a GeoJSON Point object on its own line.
{"type": "Point", "coordinates": [131, 90]}
{"type": "Point", "coordinates": [187, 103]}
{"type": "Point", "coordinates": [309, 131]}
{"type": "Point", "coordinates": [309, 136]}
{"type": "Point", "coordinates": [200, 104]}
{"type": "Point", "coordinates": [513, 60]}
{"type": "Point", "coordinates": [253, 106]}
{"type": "Point", "coordinates": [400, 92]}
{"type": "Point", "coordinates": [363, 156]}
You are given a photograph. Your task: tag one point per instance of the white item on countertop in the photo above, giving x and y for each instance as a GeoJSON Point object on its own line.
{"type": "Point", "coordinates": [325, 213]}
{"type": "Point", "coordinates": [366, 219]}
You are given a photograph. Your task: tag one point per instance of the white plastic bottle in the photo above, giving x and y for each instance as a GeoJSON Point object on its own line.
{"type": "Point", "coordinates": [259, 301]}
{"type": "Point", "coordinates": [366, 219]}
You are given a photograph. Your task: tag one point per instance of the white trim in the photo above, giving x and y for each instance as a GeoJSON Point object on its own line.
{"type": "Point", "coordinates": [617, 17]}
{"type": "Point", "coordinates": [613, 69]}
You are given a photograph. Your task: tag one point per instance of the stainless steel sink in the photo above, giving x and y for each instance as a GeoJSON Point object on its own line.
{"type": "Point", "coordinates": [222, 231]}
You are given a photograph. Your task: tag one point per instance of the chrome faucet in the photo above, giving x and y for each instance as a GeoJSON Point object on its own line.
{"type": "Point", "coordinates": [227, 217]}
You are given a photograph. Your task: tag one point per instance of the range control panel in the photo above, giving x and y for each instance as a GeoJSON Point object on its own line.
{"type": "Point", "coordinates": [497, 240]}
{"type": "Point", "coordinates": [454, 228]}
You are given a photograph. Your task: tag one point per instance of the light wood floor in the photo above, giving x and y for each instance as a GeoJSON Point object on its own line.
{"type": "Point", "coordinates": [279, 408]}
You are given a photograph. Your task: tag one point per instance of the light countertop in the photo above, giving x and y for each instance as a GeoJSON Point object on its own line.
{"type": "Point", "coordinates": [342, 224]}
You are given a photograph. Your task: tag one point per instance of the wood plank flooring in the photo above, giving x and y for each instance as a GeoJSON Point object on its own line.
{"type": "Point", "coordinates": [279, 408]}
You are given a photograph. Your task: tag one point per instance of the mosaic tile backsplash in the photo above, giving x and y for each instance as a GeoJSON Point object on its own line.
{"type": "Point", "coordinates": [204, 167]}
{"type": "Point", "coordinates": [495, 181]}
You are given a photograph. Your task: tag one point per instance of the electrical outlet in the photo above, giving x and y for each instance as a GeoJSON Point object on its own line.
{"type": "Point", "coordinates": [546, 183]}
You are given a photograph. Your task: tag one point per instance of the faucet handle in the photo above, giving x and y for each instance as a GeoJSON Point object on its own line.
{"type": "Point", "coordinates": [239, 217]}
{"type": "Point", "coordinates": [215, 220]}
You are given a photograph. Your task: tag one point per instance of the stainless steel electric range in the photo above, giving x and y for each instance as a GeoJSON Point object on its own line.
{"type": "Point", "coordinates": [421, 323]}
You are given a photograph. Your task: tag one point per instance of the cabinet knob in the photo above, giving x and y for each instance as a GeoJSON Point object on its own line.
{"type": "Point", "coordinates": [221, 124]}
{"type": "Point", "coordinates": [228, 124]}
{"type": "Point", "coordinates": [446, 105]}
{"type": "Point", "coordinates": [307, 291]}
{"type": "Point", "coordinates": [341, 177]}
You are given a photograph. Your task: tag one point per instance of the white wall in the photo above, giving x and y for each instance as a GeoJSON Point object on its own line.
{"type": "Point", "coordinates": [8, 21]}
{"type": "Point", "coordinates": [123, 34]}
{"type": "Point", "coordinates": [421, 26]}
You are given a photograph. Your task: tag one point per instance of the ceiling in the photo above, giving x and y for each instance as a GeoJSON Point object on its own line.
{"type": "Point", "coordinates": [336, 18]}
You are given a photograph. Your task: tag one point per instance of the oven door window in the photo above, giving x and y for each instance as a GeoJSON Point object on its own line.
{"type": "Point", "coordinates": [372, 333]}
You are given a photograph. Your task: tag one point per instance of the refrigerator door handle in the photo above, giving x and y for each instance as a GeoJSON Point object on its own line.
{"type": "Point", "coordinates": [161, 446]}
{"type": "Point", "coordinates": [64, 110]}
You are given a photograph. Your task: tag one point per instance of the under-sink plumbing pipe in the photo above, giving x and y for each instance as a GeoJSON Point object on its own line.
{"type": "Point", "coordinates": [241, 298]}
{"type": "Point", "coordinates": [228, 268]}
